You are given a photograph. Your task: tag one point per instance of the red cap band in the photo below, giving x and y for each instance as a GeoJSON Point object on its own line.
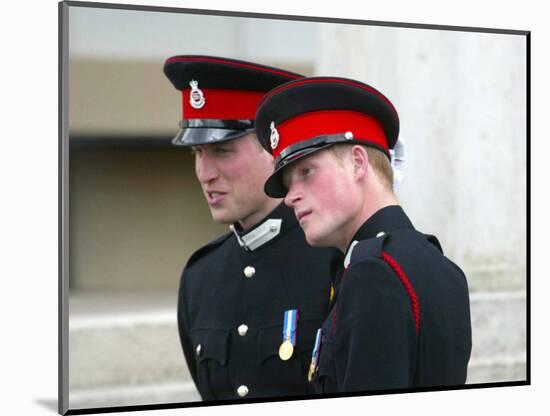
{"type": "Point", "coordinates": [223, 104]}
{"type": "Point", "coordinates": [326, 122]}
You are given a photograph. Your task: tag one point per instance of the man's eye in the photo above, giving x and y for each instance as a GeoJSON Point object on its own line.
{"type": "Point", "coordinates": [307, 171]}
{"type": "Point", "coordinates": [223, 150]}
{"type": "Point", "coordinates": [195, 151]}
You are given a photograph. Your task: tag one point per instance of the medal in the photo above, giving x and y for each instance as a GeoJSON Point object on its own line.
{"type": "Point", "coordinates": [311, 372]}
{"type": "Point", "coordinates": [315, 356]}
{"type": "Point", "coordinates": [285, 350]}
{"type": "Point", "coordinates": [289, 334]}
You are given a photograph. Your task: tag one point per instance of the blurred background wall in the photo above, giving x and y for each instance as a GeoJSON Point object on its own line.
{"type": "Point", "coordinates": [136, 212]}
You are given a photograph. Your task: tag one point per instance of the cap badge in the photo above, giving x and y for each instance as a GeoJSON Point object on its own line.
{"type": "Point", "coordinates": [274, 138]}
{"type": "Point", "coordinates": [196, 97]}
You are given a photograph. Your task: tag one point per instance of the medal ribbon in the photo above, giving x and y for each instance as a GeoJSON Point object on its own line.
{"type": "Point", "coordinates": [290, 323]}
{"type": "Point", "coordinates": [315, 353]}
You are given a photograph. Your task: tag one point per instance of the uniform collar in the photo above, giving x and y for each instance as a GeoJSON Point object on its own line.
{"type": "Point", "coordinates": [276, 223]}
{"type": "Point", "coordinates": [382, 222]}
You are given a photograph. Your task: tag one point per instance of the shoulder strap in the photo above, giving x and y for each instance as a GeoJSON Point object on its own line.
{"type": "Point", "coordinates": [207, 248]}
{"type": "Point", "coordinates": [371, 247]}
{"type": "Point", "coordinates": [433, 240]}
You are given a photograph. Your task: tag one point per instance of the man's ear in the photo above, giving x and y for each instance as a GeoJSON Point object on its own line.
{"type": "Point", "coordinates": [360, 160]}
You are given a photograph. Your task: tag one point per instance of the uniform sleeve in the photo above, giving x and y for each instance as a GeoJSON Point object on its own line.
{"type": "Point", "coordinates": [184, 330]}
{"type": "Point", "coordinates": [375, 330]}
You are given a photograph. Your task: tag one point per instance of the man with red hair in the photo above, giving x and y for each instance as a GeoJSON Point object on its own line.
{"type": "Point", "coordinates": [401, 316]}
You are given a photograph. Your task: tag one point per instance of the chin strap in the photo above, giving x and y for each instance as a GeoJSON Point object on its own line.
{"type": "Point", "coordinates": [398, 162]}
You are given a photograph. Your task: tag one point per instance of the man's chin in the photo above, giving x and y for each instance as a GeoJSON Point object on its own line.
{"type": "Point", "coordinates": [316, 240]}
{"type": "Point", "coordinates": [222, 217]}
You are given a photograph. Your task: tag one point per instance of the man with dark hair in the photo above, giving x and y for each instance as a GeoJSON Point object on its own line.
{"type": "Point", "coordinates": [401, 316]}
{"type": "Point", "coordinates": [250, 301]}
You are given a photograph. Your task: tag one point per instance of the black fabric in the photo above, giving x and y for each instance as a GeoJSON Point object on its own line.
{"type": "Point", "coordinates": [369, 339]}
{"type": "Point", "coordinates": [224, 73]}
{"type": "Point", "coordinates": [390, 218]}
{"type": "Point", "coordinates": [215, 298]}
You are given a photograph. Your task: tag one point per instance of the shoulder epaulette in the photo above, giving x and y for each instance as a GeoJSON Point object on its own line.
{"type": "Point", "coordinates": [371, 247]}
{"type": "Point", "coordinates": [433, 240]}
{"type": "Point", "coordinates": [207, 248]}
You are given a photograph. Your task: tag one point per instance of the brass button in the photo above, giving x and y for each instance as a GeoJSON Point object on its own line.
{"type": "Point", "coordinates": [199, 349]}
{"type": "Point", "coordinates": [249, 271]}
{"type": "Point", "coordinates": [242, 391]}
{"type": "Point", "coordinates": [380, 234]}
{"type": "Point", "coordinates": [242, 330]}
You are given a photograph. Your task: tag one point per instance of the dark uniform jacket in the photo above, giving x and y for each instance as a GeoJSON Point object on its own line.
{"type": "Point", "coordinates": [232, 303]}
{"type": "Point", "coordinates": [401, 315]}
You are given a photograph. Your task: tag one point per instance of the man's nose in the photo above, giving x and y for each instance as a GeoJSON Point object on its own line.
{"type": "Point", "coordinates": [292, 196]}
{"type": "Point", "coordinates": [205, 169]}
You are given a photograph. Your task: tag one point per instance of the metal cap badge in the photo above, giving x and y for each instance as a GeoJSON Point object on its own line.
{"type": "Point", "coordinates": [274, 138]}
{"type": "Point", "coordinates": [196, 96]}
